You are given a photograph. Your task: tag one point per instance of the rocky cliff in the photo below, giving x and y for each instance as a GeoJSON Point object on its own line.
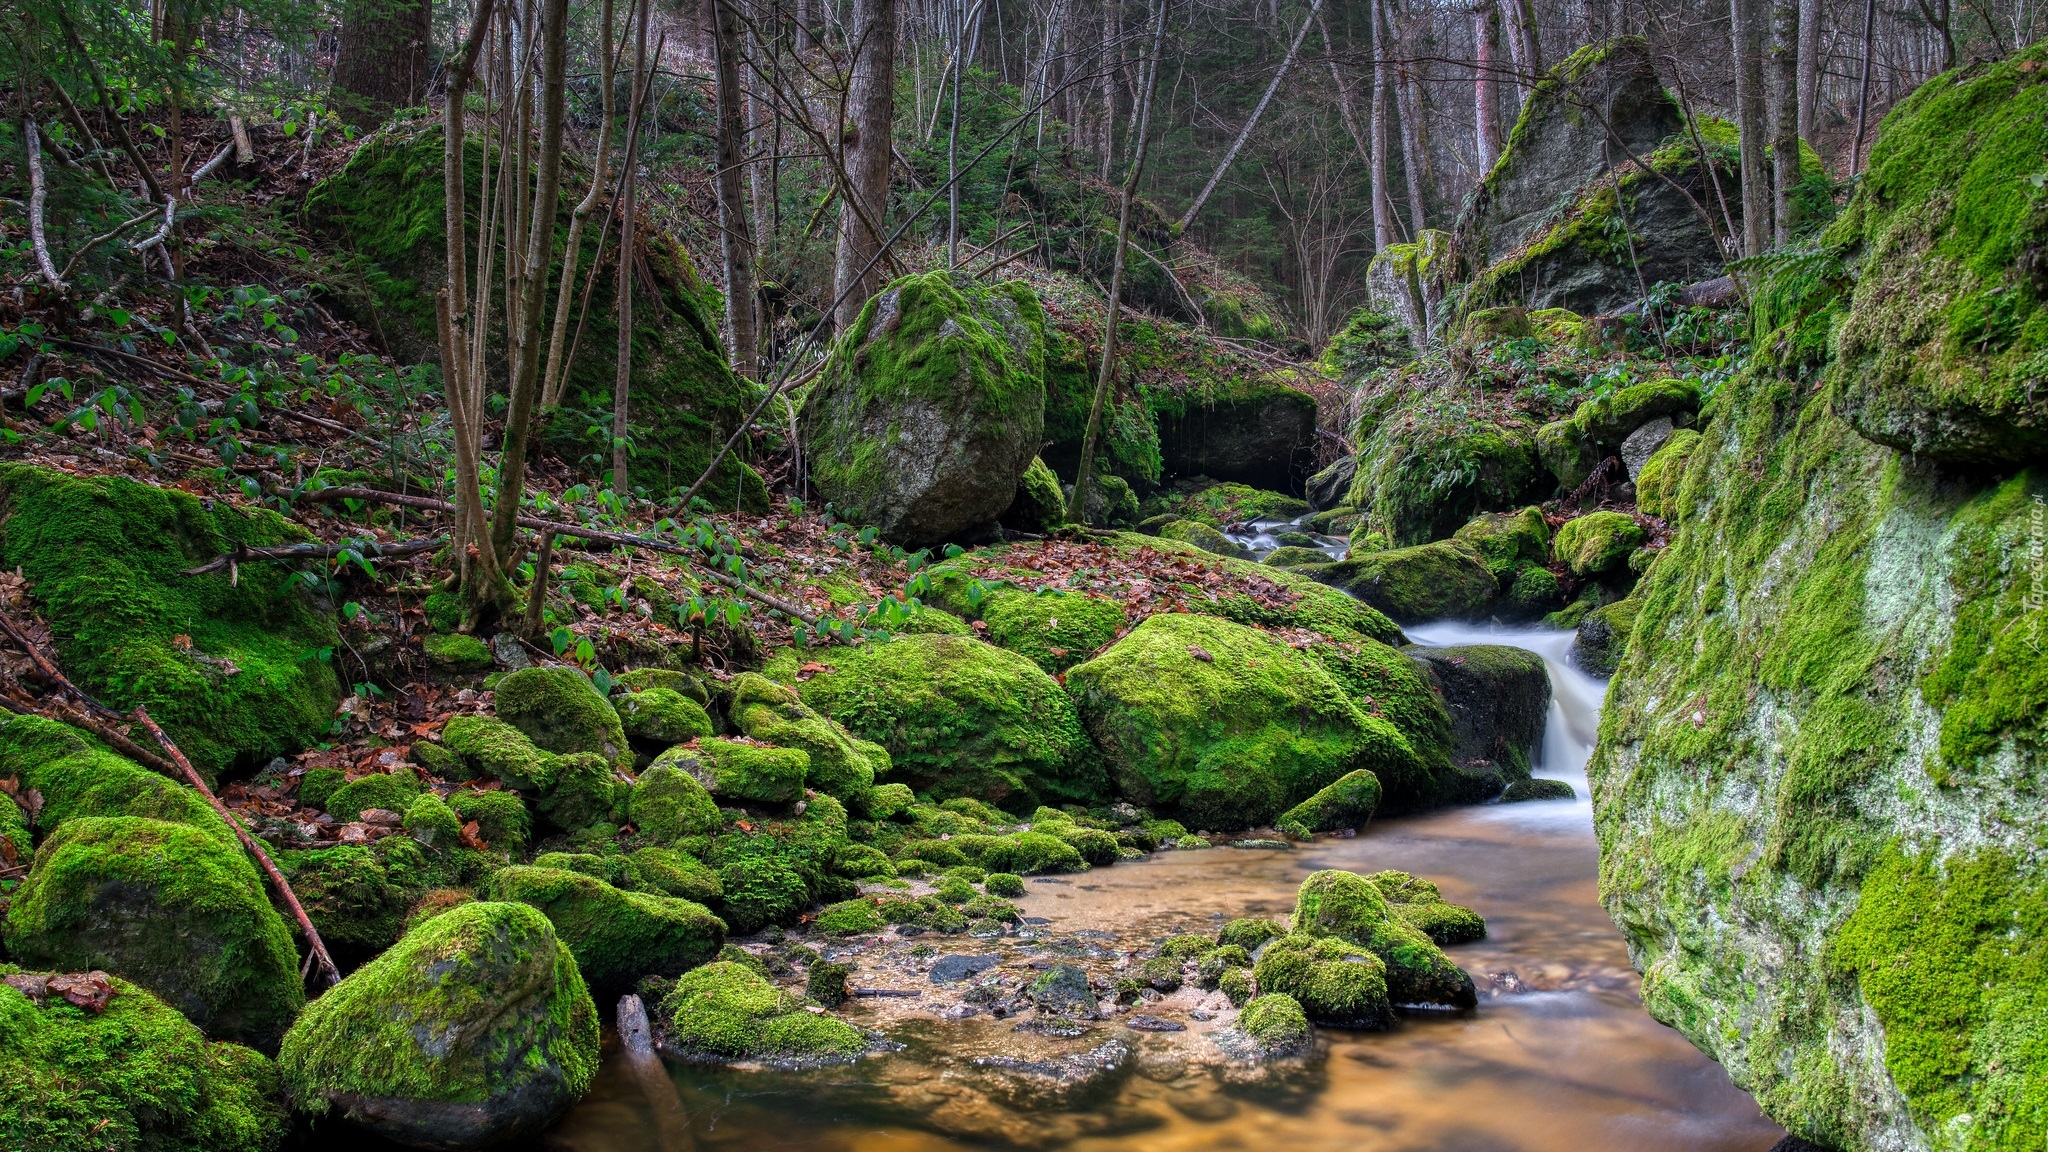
{"type": "Point", "coordinates": [1818, 782]}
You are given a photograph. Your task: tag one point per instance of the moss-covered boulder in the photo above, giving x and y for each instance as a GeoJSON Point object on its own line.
{"type": "Point", "coordinates": [1418, 902]}
{"type": "Point", "coordinates": [1273, 1027]}
{"type": "Point", "coordinates": [1657, 482]}
{"type": "Point", "coordinates": [1057, 630]}
{"type": "Point", "coordinates": [737, 771]}
{"type": "Point", "coordinates": [383, 213]}
{"type": "Point", "coordinates": [1488, 325]}
{"type": "Point", "coordinates": [490, 747]}
{"type": "Point", "coordinates": [1571, 448]}
{"type": "Point", "coordinates": [669, 804]}
{"type": "Point", "coordinates": [177, 909]}
{"type": "Point", "coordinates": [617, 936]}
{"type": "Point", "coordinates": [1348, 907]}
{"type": "Point", "coordinates": [724, 1011]}
{"type": "Point", "coordinates": [841, 764]}
{"type": "Point", "coordinates": [1414, 585]}
{"type": "Point", "coordinates": [501, 817]}
{"type": "Point", "coordinates": [659, 717]}
{"type": "Point", "coordinates": [1508, 542]}
{"type": "Point", "coordinates": [559, 709]}
{"type": "Point", "coordinates": [1203, 536]}
{"type": "Point", "coordinates": [1499, 701]}
{"type": "Point", "coordinates": [1603, 635]}
{"type": "Point", "coordinates": [357, 906]}
{"type": "Point", "coordinates": [931, 408]}
{"type": "Point", "coordinates": [474, 1029]}
{"type": "Point", "coordinates": [1598, 543]}
{"type": "Point", "coordinates": [1347, 803]}
{"type": "Point", "coordinates": [1223, 725]}
{"type": "Point", "coordinates": [1335, 982]}
{"type": "Point", "coordinates": [961, 718]}
{"type": "Point", "coordinates": [1428, 460]}
{"type": "Point", "coordinates": [390, 791]}
{"type": "Point", "coordinates": [77, 776]}
{"type": "Point", "coordinates": [584, 790]}
{"type": "Point", "coordinates": [1040, 505]}
{"type": "Point", "coordinates": [674, 873]}
{"type": "Point", "coordinates": [136, 1074]}
{"type": "Point", "coordinates": [218, 661]}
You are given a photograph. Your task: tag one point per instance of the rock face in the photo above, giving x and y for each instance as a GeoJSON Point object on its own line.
{"type": "Point", "coordinates": [1264, 437]}
{"type": "Point", "coordinates": [1847, 911]}
{"type": "Point", "coordinates": [474, 1029]}
{"type": "Point", "coordinates": [1499, 698]}
{"type": "Point", "coordinates": [932, 408]}
{"type": "Point", "coordinates": [1541, 229]}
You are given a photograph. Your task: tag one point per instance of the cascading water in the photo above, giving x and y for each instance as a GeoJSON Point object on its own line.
{"type": "Point", "coordinates": [1262, 537]}
{"type": "Point", "coordinates": [1574, 696]}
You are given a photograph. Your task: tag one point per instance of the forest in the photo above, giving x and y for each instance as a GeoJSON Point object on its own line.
{"type": "Point", "coordinates": [970, 574]}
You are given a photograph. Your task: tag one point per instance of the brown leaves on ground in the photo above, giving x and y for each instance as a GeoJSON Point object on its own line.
{"type": "Point", "coordinates": [88, 990]}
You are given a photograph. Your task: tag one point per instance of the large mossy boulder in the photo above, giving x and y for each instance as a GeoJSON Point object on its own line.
{"type": "Point", "coordinates": [1225, 727]}
{"type": "Point", "coordinates": [1499, 700]}
{"type": "Point", "coordinates": [1428, 461]}
{"type": "Point", "coordinates": [219, 661]}
{"type": "Point", "coordinates": [617, 936]}
{"type": "Point", "coordinates": [1348, 907]}
{"type": "Point", "coordinates": [1446, 580]}
{"type": "Point", "coordinates": [1942, 350]}
{"type": "Point", "coordinates": [76, 776]}
{"type": "Point", "coordinates": [1658, 480]}
{"type": "Point", "coordinates": [384, 213]}
{"type": "Point", "coordinates": [932, 407]}
{"type": "Point", "coordinates": [961, 718]}
{"type": "Point", "coordinates": [1334, 981]}
{"type": "Point", "coordinates": [841, 764]}
{"type": "Point", "coordinates": [725, 1011]}
{"type": "Point", "coordinates": [560, 710]}
{"type": "Point", "coordinates": [476, 1028]}
{"type": "Point", "coordinates": [133, 1075]}
{"type": "Point", "coordinates": [1551, 225]}
{"type": "Point", "coordinates": [1598, 543]}
{"type": "Point", "coordinates": [1571, 448]}
{"type": "Point", "coordinates": [1057, 630]}
{"type": "Point", "coordinates": [668, 804]}
{"type": "Point", "coordinates": [1817, 785]}
{"type": "Point", "coordinates": [741, 772]}
{"type": "Point", "coordinates": [175, 908]}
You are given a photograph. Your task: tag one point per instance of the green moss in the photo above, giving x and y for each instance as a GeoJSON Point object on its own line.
{"type": "Point", "coordinates": [1598, 542]}
{"type": "Point", "coordinates": [760, 891]}
{"type": "Point", "coordinates": [1022, 853]}
{"type": "Point", "coordinates": [1276, 1026]}
{"type": "Point", "coordinates": [1204, 537]}
{"type": "Point", "coordinates": [618, 871]}
{"type": "Point", "coordinates": [668, 804]}
{"type": "Point", "coordinates": [659, 717]}
{"type": "Point", "coordinates": [560, 711]}
{"type": "Point", "coordinates": [1607, 420]}
{"type": "Point", "coordinates": [501, 817]}
{"type": "Point", "coordinates": [318, 784]}
{"type": "Point", "coordinates": [681, 683]}
{"type": "Point", "coordinates": [1487, 325]}
{"type": "Point", "coordinates": [1508, 542]}
{"type": "Point", "coordinates": [1220, 505]}
{"type": "Point", "coordinates": [1429, 459]}
{"type": "Point", "coordinates": [1236, 985]}
{"type": "Point", "coordinates": [961, 718]}
{"type": "Point", "coordinates": [1446, 579]}
{"type": "Point", "coordinates": [849, 918]}
{"type": "Point", "coordinates": [1657, 482]}
{"type": "Point", "coordinates": [724, 1010]}
{"type": "Point", "coordinates": [617, 936]}
{"type": "Point", "coordinates": [1248, 934]}
{"type": "Point", "coordinates": [492, 747]}
{"type": "Point", "coordinates": [1004, 884]}
{"type": "Point", "coordinates": [1368, 341]}
{"type": "Point", "coordinates": [841, 764]}
{"type": "Point", "coordinates": [1418, 902]}
{"type": "Point", "coordinates": [582, 794]}
{"type": "Point", "coordinates": [1291, 556]}
{"type": "Point", "coordinates": [176, 909]}
{"type": "Point", "coordinates": [954, 890]}
{"type": "Point", "coordinates": [391, 791]}
{"type": "Point", "coordinates": [889, 800]}
{"type": "Point", "coordinates": [1347, 803]}
{"type": "Point", "coordinates": [673, 873]}
{"type": "Point", "coordinates": [457, 652]}
{"type": "Point", "coordinates": [1603, 636]}
{"type": "Point", "coordinates": [1537, 789]}
{"type": "Point", "coordinates": [76, 777]}
{"type": "Point", "coordinates": [1346, 906]}
{"type": "Point", "coordinates": [862, 861]}
{"type": "Point", "coordinates": [1332, 981]}
{"type": "Point", "coordinates": [1218, 960]}
{"type": "Point", "coordinates": [430, 821]}
{"type": "Point", "coordinates": [825, 982]}
{"type": "Point", "coordinates": [479, 1003]}
{"type": "Point", "coordinates": [1040, 505]}
{"type": "Point", "coordinates": [220, 664]}
{"type": "Point", "coordinates": [1057, 630]}
{"type": "Point", "coordinates": [349, 895]}
{"type": "Point", "coordinates": [735, 771]}
{"type": "Point", "coordinates": [135, 1076]}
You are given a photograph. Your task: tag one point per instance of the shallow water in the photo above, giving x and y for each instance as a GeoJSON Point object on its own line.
{"type": "Point", "coordinates": [1261, 537]}
{"type": "Point", "coordinates": [1558, 1057]}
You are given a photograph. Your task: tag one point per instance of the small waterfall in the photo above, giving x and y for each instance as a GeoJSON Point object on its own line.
{"type": "Point", "coordinates": [1261, 537]}
{"type": "Point", "coordinates": [1575, 697]}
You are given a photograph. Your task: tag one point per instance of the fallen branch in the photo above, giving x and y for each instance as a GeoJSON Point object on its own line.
{"type": "Point", "coordinates": [192, 777]}
{"type": "Point", "coordinates": [37, 193]}
{"type": "Point", "coordinates": [370, 549]}
{"type": "Point", "coordinates": [559, 528]}
{"type": "Point", "coordinates": [163, 231]}
{"type": "Point", "coordinates": [100, 239]}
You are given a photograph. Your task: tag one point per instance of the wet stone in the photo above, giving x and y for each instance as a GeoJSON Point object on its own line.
{"type": "Point", "coordinates": [1154, 1024]}
{"type": "Point", "coordinates": [955, 968]}
{"type": "Point", "coordinates": [1063, 989]}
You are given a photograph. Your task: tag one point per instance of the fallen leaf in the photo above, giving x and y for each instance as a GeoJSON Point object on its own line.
{"type": "Point", "coordinates": [87, 990]}
{"type": "Point", "coordinates": [1201, 653]}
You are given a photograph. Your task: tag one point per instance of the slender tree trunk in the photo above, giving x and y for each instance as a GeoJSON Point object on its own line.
{"type": "Point", "coordinates": [1532, 41]}
{"type": "Point", "coordinates": [735, 237]}
{"type": "Point", "coordinates": [1486, 144]}
{"type": "Point", "coordinates": [959, 37]}
{"type": "Point", "coordinates": [1784, 114]}
{"type": "Point", "coordinates": [1084, 476]}
{"type": "Point", "coordinates": [1863, 86]}
{"type": "Point", "coordinates": [555, 373]}
{"type": "Point", "coordinates": [1745, 23]}
{"type": "Point", "coordinates": [872, 99]}
{"type": "Point", "coordinates": [1109, 71]}
{"type": "Point", "coordinates": [1414, 156]}
{"type": "Point", "coordinates": [1811, 13]}
{"type": "Point", "coordinates": [1258, 110]}
{"type": "Point", "coordinates": [382, 58]}
{"type": "Point", "coordinates": [1382, 203]}
{"type": "Point", "coordinates": [629, 251]}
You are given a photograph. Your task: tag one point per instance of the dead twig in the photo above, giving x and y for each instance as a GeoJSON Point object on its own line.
{"type": "Point", "coordinates": [370, 550]}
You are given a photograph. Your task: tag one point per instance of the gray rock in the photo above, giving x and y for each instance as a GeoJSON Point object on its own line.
{"type": "Point", "coordinates": [955, 968]}
{"type": "Point", "coordinates": [1328, 487]}
{"type": "Point", "coordinates": [1061, 1080]}
{"type": "Point", "coordinates": [509, 653]}
{"type": "Point", "coordinates": [1154, 1024]}
{"type": "Point", "coordinates": [1499, 699]}
{"type": "Point", "coordinates": [1522, 790]}
{"type": "Point", "coordinates": [1063, 989]}
{"type": "Point", "coordinates": [1641, 444]}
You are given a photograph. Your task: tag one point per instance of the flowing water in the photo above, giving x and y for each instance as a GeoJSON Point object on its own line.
{"type": "Point", "coordinates": [1261, 537]}
{"type": "Point", "coordinates": [1558, 1057]}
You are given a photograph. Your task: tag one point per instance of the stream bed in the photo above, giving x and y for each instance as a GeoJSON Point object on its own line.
{"type": "Point", "coordinates": [1558, 1057]}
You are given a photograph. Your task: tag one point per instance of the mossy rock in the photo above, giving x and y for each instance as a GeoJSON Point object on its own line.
{"type": "Point", "coordinates": [1021, 853]}
{"type": "Point", "coordinates": [1347, 907]}
{"type": "Point", "coordinates": [931, 407]}
{"type": "Point", "coordinates": [391, 791]}
{"type": "Point", "coordinates": [1040, 505]}
{"type": "Point", "coordinates": [352, 900]}
{"type": "Point", "coordinates": [560, 711]}
{"type": "Point", "coordinates": [659, 717]}
{"type": "Point", "coordinates": [849, 918]}
{"type": "Point", "coordinates": [1418, 902]}
{"type": "Point", "coordinates": [1442, 580]}
{"type": "Point", "coordinates": [841, 764]}
{"type": "Point", "coordinates": [1111, 500]}
{"type": "Point", "coordinates": [457, 653]}
{"type": "Point", "coordinates": [1428, 461]}
{"type": "Point", "coordinates": [681, 683]}
{"type": "Point", "coordinates": [1275, 1027]}
{"type": "Point", "coordinates": [491, 747]}
{"type": "Point", "coordinates": [724, 1011]}
{"type": "Point", "coordinates": [501, 817]}
{"type": "Point", "coordinates": [1202, 536]}
{"type": "Point", "coordinates": [475, 1028]}
{"type": "Point", "coordinates": [1508, 542]}
{"type": "Point", "coordinates": [960, 717]}
{"type": "Point", "coordinates": [1333, 982]}
{"type": "Point", "coordinates": [384, 210]}
{"type": "Point", "coordinates": [1219, 505]}
{"type": "Point", "coordinates": [1537, 789]}
{"type": "Point", "coordinates": [888, 800]}
{"type": "Point", "coordinates": [1223, 725]}
{"type": "Point", "coordinates": [135, 1075]}
{"type": "Point", "coordinates": [678, 874]}
{"type": "Point", "coordinates": [617, 936]}
{"type": "Point", "coordinates": [734, 771]}
{"type": "Point", "coordinates": [621, 872]}
{"type": "Point", "coordinates": [1598, 543]}
{"type": "Point", "coordinates": [1499, 701]}
{"type": "Point", "coordinates": [76, 776]}
{"type": "Point", "coordinates": [1535, 592]}
{"type": "Point", "coordinates": [1057, 630]}
{"type": "Point", "coordinates": [582, 794]}
{"type": "Point", "coordinates": [759, 891]}
{"type": "Point", "coordinates": [1603, 635]}
{"type": "Point", "coordinates": [1248, 934]}
{"type": "Point", "coordinates": [861, 862]}
{"type": "Point", "coordinates": [1347, 803]}
{"type": "Point", "coordinates": [177, 909]}
{"type": "Point", "coordinates": [219, 663]}
{"type": "Point", "coordinates": [1489, 325]}
{"type": "Point", "coordinates": [1657, 483]}
{"type": "Point", "coordinates": [1291, 556]}
{"type": "Point", "coordinates": [1607, 420]}
{"type": "Point", "coordinates": [669, 805]}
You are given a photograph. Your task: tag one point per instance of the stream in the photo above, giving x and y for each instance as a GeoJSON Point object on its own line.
{"type": "Point", "coordinates": [1558, 1057]}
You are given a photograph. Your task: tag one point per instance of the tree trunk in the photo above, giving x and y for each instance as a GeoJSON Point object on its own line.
{"type": "Point", "coordinates": [872, 104]}
{"type": "Point", "coordinates": [1258, 110]}
{"type": "Point", "coordinates": [555, 371]}
{"type": "Point", "coordinates": [1414, 154]}
{"type": "Point", "coordinates": [735, 236]}
{"type": "Point", "coordinates": [1784, 114]}
{"type": "Point", "coordinates": [1084, 475]}
{"type": "Point", "coordinates": [1382, 203]}
{"type": "Point", "coordinates": [1863, 87]}
{"type": "Point", "coordinates": [629, 247]}
{"type": "Point", "coordinates": [1746, 33]}
{"type": "Point", "coordinates": [1109, 65]}
{"type": "Point", "coordinates": [1486, 142]}
{"type": "Point", "coordinates": [1810, 16]}
{"type": "Point", "coordinates": [381, 60]}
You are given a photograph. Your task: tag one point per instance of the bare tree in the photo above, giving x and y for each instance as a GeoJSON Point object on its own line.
{"type": "Point", "coordinates": [735, 235]}
{"type": "Point", "coordinates": [872, 97]}
{"type": "Point", "coordinates": [1746, 32]}
{"type": "Point", "coordinates": [629, 248]}
{"type": "Point", "coordinates": [1251, 122]}
{"type": "Point", "coordinates": [1784, 115]}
